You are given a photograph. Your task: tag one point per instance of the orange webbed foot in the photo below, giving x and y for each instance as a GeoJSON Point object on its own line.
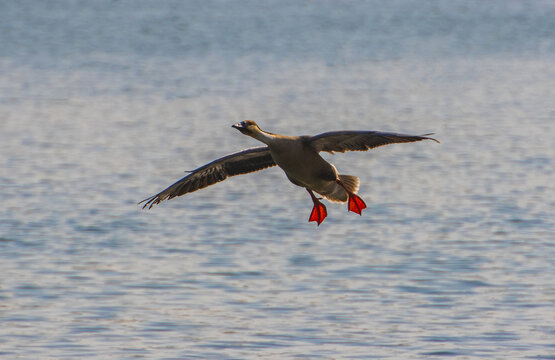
{"type": "Point", "coordinates": [356, 204]}
{"type": "Point", "coordinates": [318, 213]}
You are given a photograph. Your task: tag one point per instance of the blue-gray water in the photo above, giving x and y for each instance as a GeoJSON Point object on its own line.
{"type": "Point", "coordinates": [103, 103]}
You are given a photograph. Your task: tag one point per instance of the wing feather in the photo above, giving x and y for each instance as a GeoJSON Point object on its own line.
{"type": "Point", "coordinates": [241, 162]}
{"type": "Point", "coordinates": [341, 141]}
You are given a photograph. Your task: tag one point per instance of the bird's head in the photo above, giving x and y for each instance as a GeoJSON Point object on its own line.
{"type": "Point", "coordinates": [247, 127]}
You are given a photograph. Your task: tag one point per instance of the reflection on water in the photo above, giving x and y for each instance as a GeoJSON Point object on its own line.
{"type": "Point", "coordinates": [105, 103]}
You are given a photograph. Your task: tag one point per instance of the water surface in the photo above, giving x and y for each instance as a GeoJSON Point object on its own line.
{"type": "Point", "coordinates": [105, 103]}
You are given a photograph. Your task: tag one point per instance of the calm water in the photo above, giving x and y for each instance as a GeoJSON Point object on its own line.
{"type": "Point", "coordinates": [104, 103]}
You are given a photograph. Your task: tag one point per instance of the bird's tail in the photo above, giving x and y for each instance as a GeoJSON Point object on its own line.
{"type": "Point", "coordinates": [338, 194]}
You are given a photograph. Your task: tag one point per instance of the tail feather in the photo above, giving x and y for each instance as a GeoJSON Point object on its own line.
{"type": "Point", "coordinates": [352, 183]}
{"type": "Point", "coordinates": [338, 194]}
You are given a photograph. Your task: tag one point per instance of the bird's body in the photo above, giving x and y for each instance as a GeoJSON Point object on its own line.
{"type": "Point", "coordinates": [303, 165]}
{"type": "Point", "coordinates": [298, 157]}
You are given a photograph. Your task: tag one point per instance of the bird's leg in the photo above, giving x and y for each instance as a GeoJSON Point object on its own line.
{"type": "Point", "coordinates": [356, 204]}
{"type": "Point", "coordinates": [319, 211]}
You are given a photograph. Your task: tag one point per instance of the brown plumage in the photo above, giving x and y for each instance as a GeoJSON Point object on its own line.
{"type": "Point", "coordinates": [298, 157]}
{"type": "Point", "coordinates": [242, 162]}
{"type": "Point", "coordinates": [341, 141]}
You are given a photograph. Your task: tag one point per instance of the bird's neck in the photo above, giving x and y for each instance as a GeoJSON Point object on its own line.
{"type": "Point", "coordinates": [266, 137]}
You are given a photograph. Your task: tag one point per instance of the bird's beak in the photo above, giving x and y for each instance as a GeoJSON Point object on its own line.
{"type": "Point", "coordinates": [242, 128]}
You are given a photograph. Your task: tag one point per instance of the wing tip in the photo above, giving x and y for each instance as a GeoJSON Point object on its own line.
{"type": "Point", "coordinates": [427, 137]}
{"type": "Point", "coordinates": [149, 202]}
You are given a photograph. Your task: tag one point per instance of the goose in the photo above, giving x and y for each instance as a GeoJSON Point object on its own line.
{"type": "Point", "coordinates": [299, 157]}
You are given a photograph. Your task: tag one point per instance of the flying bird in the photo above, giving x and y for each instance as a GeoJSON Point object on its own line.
{"type": "Point", "coordinates": [299, 158]}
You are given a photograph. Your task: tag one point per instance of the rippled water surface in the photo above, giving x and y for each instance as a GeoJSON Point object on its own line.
{"type": "Point", "coordinates": [104, 103]}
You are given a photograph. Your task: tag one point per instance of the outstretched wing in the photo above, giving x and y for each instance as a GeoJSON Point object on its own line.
{"type": "Point", "coordinates": [241, 162]}
{"type": "Point", "coordinates": [342, 141]}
